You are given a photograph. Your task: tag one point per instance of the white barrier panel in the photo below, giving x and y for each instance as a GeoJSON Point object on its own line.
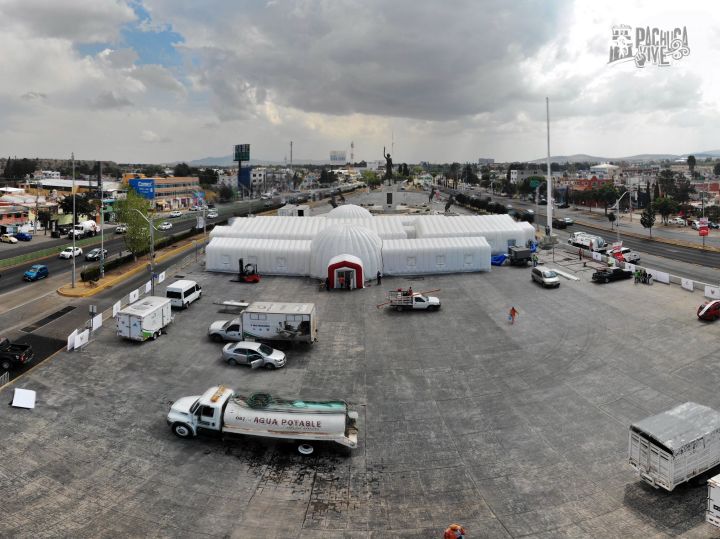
{"type": "Point", "coordinates": [134, 295]}
{"type": "Point", "coordinates": [81, 339]}
{"type": "Point", "coordinates": [687, 284]}
{"type": "Point", "coordinates": [71, 340]}
{"type": "Point", "coordinates": [660, 276]}
{"type": "Point", "coordinates": [24, 398]}
{"type": "Point", "coordinates": [148, 287]}
{"type": "Point", "coordinates": [597, 257]}
{"type": "Point", "coordinates": [712, 292]}
{"type": "Point", "coordinates": [630, 266]}
{"type": "Point", "coordinates": [116, 308]}
{"type": "Point", "coordinates": [161, 277]}
{"type": "Point", "coordinates": [97, 322]}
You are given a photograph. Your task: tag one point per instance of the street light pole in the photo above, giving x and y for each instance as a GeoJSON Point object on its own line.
{"type": "Point", "coordinates": [72, 230]}
{"type": "Point", "coordinates": [102, 225]}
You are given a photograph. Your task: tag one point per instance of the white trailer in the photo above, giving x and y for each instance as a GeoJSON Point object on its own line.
{"type": "Point", "coordinates": [277, 321]}
{"type": "Point", "coordinates": [588, 241]}
{"type": "Point", "coordinates": [712, 511]}
{"type": "Point", "coordinates": [144, 319]}
{"type": "Point", "coordinates": [675, 446]}
{"type": "Point", "coordinates": [221, 410]}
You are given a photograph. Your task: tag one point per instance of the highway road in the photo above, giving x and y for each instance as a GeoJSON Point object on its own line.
{"type": "Point", "coordinates": [11, 278]}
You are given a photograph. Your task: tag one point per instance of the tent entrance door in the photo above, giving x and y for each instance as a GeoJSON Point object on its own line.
{"type": "Point", "coordinates": [345, 278]}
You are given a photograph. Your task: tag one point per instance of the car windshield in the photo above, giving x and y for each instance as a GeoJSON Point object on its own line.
{"type": "Point", "coordinates": [35, 268]}
{"type": "Point", "coordinates": [265, 350]}
{"type": "Point", "coordinates": [549, 274]}
{"type": "Point", "coordinates": [227, 324]}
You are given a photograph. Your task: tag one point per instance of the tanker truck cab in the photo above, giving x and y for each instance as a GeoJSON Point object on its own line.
{"type": "Point", "coordinates": [221, 410]}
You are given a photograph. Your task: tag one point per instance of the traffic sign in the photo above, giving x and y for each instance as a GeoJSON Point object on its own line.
{"type": "Point", "coordinates": [534, 183]}
{"type": "Point", "coordinates": [703, 231]}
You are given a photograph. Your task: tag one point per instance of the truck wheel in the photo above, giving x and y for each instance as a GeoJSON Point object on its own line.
{"type": "Point", "coordinates": [217, 338]}
{"type": "Point", "coordinates": [607, 280]}
{"type": "Point", "coordinates": [181, 430]}
{"type": "Point", "coordinates": [155, 336]}
{"type": "Point", "coordinates": [232, 362]}
{"type": "Point", "coordinates": [398, 308]}
{"type": "Point", "coordinates": [5, 365]}
{"type": "Point", "coordinates": [305, 449]}
{"type": "Point", "coordinates": [270, 366]}
{"type": "Point", "coordinates": [433, 307]}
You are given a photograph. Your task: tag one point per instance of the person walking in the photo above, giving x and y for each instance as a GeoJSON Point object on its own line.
{"type": "Point", "coordinates": [512, 314]}
{"type": "Point", "coordinates": [535, 260]}
{"type": "Point", "coordinates": [379, 278]}
{"type": "Point", "coordinates": [454, 531]}
{"type": "Point", "coordinates": [580, 253]}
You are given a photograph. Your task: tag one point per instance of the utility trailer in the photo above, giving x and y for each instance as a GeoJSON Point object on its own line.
{"type": "Point", "coordinates": [675, 446]}
{"type": "Point", "coordinates": [712, 511]}
{"type": "Point", "coordinates": [144, 319]}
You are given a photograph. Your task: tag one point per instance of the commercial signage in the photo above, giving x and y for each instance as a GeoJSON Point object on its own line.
{"type": "Point", "coordinates": [703, 226]}
{"type": "Point", "coordinates": [242, 152]}
{"type": "Point", "coordinates": [144, 187]}
{"type": "Point", "coordinates": [337, 157]}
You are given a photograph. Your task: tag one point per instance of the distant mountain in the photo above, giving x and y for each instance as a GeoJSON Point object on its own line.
{"type": "Point", "coordinates": [644, 157]}
{"type": "Point", "coordinates": [227, 161]}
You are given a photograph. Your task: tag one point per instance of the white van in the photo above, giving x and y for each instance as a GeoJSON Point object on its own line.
{"type": "Point", "coordinates": [183, 293]}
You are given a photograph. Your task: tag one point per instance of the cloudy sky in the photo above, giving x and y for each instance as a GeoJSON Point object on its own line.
{"type": "Point", "coordinates": [167, 80]}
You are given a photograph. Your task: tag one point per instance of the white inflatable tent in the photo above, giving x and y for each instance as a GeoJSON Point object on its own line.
{"type": "Point", "coordinates": [272, 256]}
{"type": "Point", "coordinates": [435, 255]}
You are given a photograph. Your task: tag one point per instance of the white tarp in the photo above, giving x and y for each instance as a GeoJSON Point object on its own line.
{"type": "Point", "coordinates": [23, 398]}
{"type": "Point", "coordinates": [272, 256]}
{"type": "Point", "coordinates": [435, 255]}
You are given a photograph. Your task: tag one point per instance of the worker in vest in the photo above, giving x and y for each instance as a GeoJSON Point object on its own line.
{"type": "Point", "coordinates": [454, 531]}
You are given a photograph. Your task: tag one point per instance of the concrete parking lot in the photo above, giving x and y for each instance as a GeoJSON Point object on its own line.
{"type": "Point", "coordinates": [511, 430]}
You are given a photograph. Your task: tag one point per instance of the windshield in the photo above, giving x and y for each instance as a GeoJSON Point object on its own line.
{"type": "Point", "coordinates": [550, 274]}
{"type": "Point", "coordinates": [194, 406]}
{"type": "Point", "coordinates": [265, 350]}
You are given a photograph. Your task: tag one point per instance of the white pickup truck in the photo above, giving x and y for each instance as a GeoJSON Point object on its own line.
{"type": "Point", "coordinates": [221, 410]}
{"type": "Point", "coordinates": [405, 300]}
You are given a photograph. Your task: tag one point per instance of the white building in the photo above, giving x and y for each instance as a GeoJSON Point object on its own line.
{"type": "Point", "coordinates": [258, 178]}
{"type": "Point", "coordinates": [605, 171]}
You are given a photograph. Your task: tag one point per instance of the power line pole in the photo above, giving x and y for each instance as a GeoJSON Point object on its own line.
{"type": "Point", "coordinates": [73, 220]}
{"type": "Point", "coordinates": [102, 223]}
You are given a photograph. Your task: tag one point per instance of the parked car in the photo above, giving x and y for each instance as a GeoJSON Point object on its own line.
{"type": "Point", "coordinates": [121, 229]}
{"type": "Point", "coordinates": [165, 225]}
{"type": "Point", "coordinates": [23, 236]}
{"type": "Point", "coordinates": [14, 354]}
{"type": "Point", "coordinates": [611, 274]}
{"type": "Point", "coordinates": [710, 310]}
{"type": "Point", "coordinates": [36, 272]}
{"type": "Point", "coordinates": [627, 254]}
{"type": "Point", "coordinates": [194, 208]}
{"type": "Point", "coordinates": [679, 221]}
{"type": "Point", "coordinates": [254, 354]}
{"type": "Point", "coordinates": [713, 224]}
{"type": "Point", "coordinates": [542, 202]}
{"type": "Point", "coordinates": [95, 254]}
{"type": "Point", "coordinates": [69, 253]}
{"type": "Point", "coordinates": [546, 277]}
{"type": "Point", "coordinates": [175, 213]}
{"type": "Point", "coordinates": [8, 238]}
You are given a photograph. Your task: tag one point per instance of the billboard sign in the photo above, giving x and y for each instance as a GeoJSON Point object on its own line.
{"type": "Point", "coordinates": [144, 187]}
{"type": "Point", "coordinates": [337, 156]}
{"type": "Point", "coordinates": [242, 152]}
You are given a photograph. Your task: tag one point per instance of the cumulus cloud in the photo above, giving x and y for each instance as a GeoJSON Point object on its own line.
{"type": "Point", "coordinates": [156, 76]}
{"type": "Point", "coordinates": [110, 100]}
{"type": "Point", "coordinates": [77, 20]}
{"type": "Point", "coordinates": [152, 137]}
{"type": "Point", "coordinates": [33, 96]}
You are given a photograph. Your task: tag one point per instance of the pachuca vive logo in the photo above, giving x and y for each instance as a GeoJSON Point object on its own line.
{"type": "Point", "coordinates": [651, 46]}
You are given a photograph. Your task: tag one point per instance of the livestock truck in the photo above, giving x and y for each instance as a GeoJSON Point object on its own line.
{"type": "Point", "coordinates": [145, 319]}
{"type": "Point", "coordinates": [675, 446]}
{"type": "Point", "coordinates": [221, 410]}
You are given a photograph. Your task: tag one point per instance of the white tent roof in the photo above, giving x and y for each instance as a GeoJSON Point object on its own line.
{"type": "Point", "coordinates": [349, 211]}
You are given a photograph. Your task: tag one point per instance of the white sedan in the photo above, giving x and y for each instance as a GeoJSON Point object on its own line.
{"type": "Point", "coordinates": [254, 354]}
{"type": "Point", "coordinates": [68, 252]}
{"type": "Point", "coordinates": [175, 213]}
{"type": "Point", "coordinates": [165, 225]}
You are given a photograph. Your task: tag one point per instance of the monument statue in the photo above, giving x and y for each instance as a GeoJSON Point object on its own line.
{"type": "Point", "coordinates": [388, 166]}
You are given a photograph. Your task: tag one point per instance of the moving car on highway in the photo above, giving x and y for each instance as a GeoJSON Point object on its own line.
{"type": "Point", "coordinates": [36, 272]}
{"type": "Point", "coordinates": [165, 225]}
{"type": "Point", "coordinates": [95, 254]}
{"type": "Point", "coordinates": [121, 229]}
{"type": "Point", "coordinates": [175, 213]}
{"type": "Point", "coordinates": [68, 252]}
{"type": "Point", "coordinates": [611, 274]}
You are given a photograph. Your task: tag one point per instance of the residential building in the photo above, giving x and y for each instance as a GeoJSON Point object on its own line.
{"type": "Point", "coordinates": [606, 170]}
{"type": "Point", "coordinates": [11, 216]}
{"type": "Point", "coordinates": [483, 161]}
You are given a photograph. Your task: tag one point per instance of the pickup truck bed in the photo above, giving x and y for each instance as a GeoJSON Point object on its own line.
{"type": "Point", "coordinates": [14, 355]}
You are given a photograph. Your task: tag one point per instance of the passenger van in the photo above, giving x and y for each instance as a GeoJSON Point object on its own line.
{"type": "Point", "coordinates": [183, 293]}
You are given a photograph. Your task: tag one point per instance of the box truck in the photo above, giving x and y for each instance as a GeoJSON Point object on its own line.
{"type": "Point", "coordinates": [221, 410]}
{"type": "Point", "coordinates": [675, 446]}
{"type": "Point", "coordinates": [712, 510]}
{"type": "Point", "coordinates": [277, 321]}
{"type": "Point", "coordinates": [84, 229]}
{"type": "Point", "coordinates": [145, 319]}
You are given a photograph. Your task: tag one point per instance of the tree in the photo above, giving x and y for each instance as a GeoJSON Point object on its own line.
{"type": "Point", "coordinates": [208, 176]}
{"type": "Point", "coordinates": [18, 169]}
{"type": "Point", "coordinates": [691, 165]}
{"type": "Point", "coordinates": [656, 191]}
{"type": "Point", "coordinates": [133, 211]}
{"type": "Point", "coordinates": [665, 206]}
{"type": "Point", "coordinates": [607, 194]}
{"type": "Point", "coordinates": [225, 192]}
{"type": "Point", "coordinates": [470, 175]}
{"type": "Point", "coordinates": [183, 170]}
{"type": "Point", "coordinates": [371, 178]}
{"type": "Point", "coordinates": [611, 218]}
{"type": "Point", "coordinates": [683, 189]}
{"type": "Point", "coordinates": [716, 169]}
{"type": "Point", "coordinates": [666, 180]}
{"type": "Point", "coordinates": [83, 206]}
{"type": "Point", "coordinates": [647, 218]}
{"type": "Point", "coordinates": [152, 170]}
